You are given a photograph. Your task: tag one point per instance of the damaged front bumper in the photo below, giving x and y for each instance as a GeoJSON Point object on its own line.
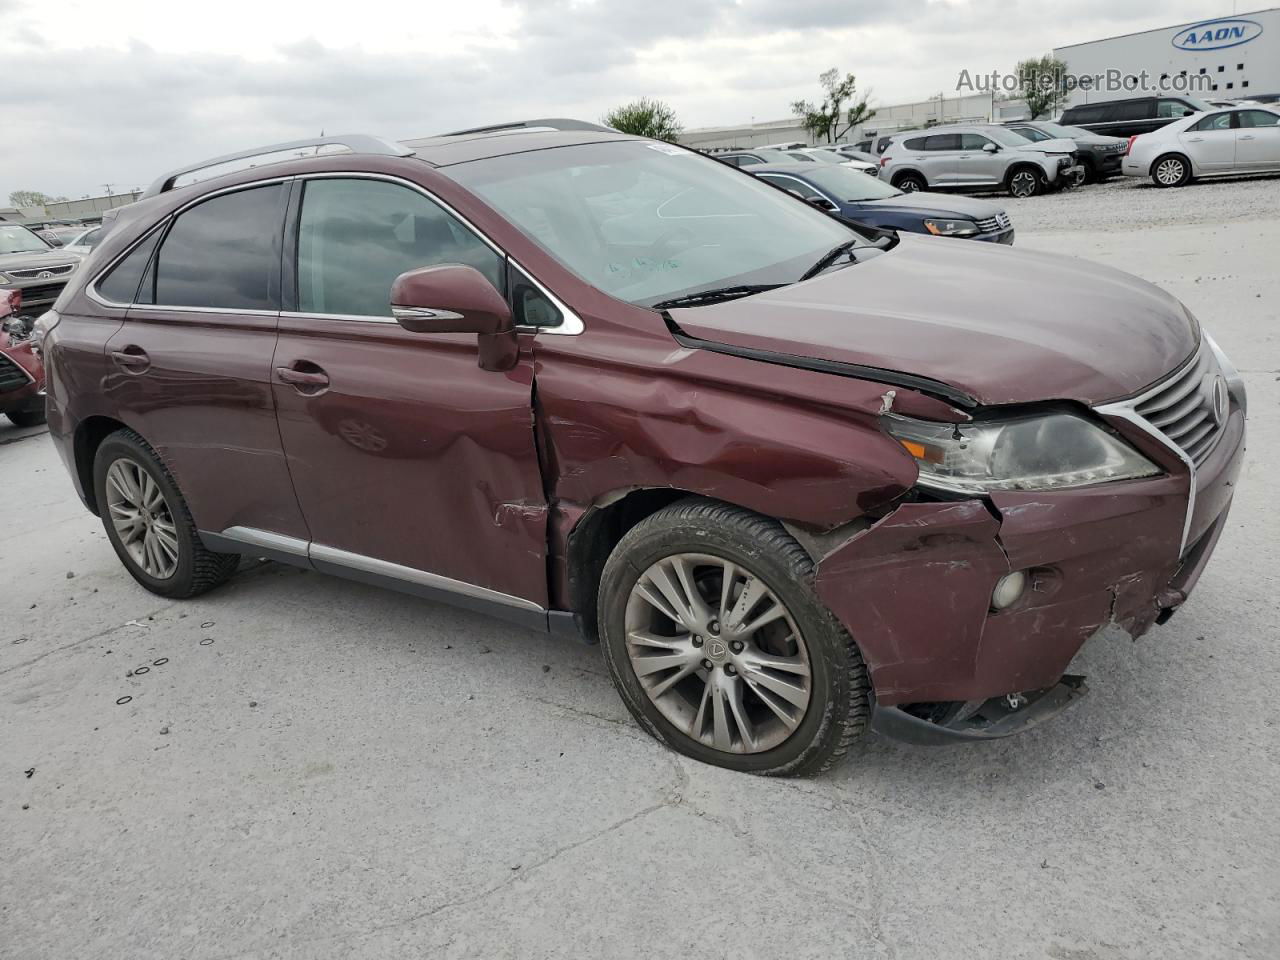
{"type": "Point", "coordinates": [914, 590]}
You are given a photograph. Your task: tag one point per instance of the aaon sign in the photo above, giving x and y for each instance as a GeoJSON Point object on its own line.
{"type": "Point", "coordinates": [1217, 34]}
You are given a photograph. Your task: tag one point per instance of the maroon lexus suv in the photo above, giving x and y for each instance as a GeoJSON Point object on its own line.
{"type": "Point", "coordinates": [798, 480]}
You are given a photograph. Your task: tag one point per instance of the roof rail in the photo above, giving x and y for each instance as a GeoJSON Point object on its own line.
{"type": "Point", "coordinates": [355, 142]}
{"type": "Point", "coordinates": [553, 123]}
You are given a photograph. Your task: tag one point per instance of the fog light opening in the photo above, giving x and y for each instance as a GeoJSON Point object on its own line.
{"type": "Point", "coordinates": [1008, 590]}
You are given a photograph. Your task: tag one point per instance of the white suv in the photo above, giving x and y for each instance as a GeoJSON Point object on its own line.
{"type": "Point", "coordinates": [978, 157]}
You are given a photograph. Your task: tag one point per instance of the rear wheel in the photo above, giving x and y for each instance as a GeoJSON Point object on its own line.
{"type": "Point", "coordinates": [719, 646]}
{"type": "Point", "coordinates": [148, 523]}
{"type": "Point", "coordinates": [1025, 182]}
{"type": "Point", "coordinates": [910, 182]}
{"type": "Point", "coordinates": [1172, 170]}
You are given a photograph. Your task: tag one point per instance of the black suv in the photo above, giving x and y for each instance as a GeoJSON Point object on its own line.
{"type": "Point", "coordinates": [1129, 118]}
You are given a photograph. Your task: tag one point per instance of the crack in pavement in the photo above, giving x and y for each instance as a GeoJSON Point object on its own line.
{"type": "Point", "coordinates": [76, 643]}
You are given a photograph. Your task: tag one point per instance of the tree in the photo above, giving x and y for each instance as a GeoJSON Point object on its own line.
{"type": "Point", "coordinates": [645, 118]}
{"type": "Point", "coordinates": [31, 198]}
{"type": "Point", "coordinates": [1043, 83]}
{"type": "Point", "coordinates": [823, 120]}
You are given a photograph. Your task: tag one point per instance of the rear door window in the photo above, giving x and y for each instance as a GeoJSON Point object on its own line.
{"type": "Point", "coordinates": [1218, 121]}
{"type": "Point", "coordinates": [1258, 118]}
{"type": "Point", "coordinates": [224, 253]}
{"type": "Point", "coordinates": [942, 141]}
{"type": "Point", "coordinates": [356, 236]}
{"type": "Point", "coordinates": [915, 143]}
{"type": "Point", "coordinates": [1132, 110]}
{"type": "Point", "coordinates": [1172, 109]}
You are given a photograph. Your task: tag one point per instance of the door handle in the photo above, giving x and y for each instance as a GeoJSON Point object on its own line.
{"type": "Point", "coordinates": [1195, 139]}
{"type": "Point", "coordinates": [1248, 136]}
{"type": "Point", "coordinates": [131, 359]}
{"type": "Point", "coordinates": [315, 379]}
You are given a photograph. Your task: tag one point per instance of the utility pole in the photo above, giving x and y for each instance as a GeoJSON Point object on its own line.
{"type": "Point", "coordinates": [108, 189]}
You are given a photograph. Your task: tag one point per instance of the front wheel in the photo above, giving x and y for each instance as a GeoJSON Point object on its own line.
{"type": "Point", "coordinates": [148, 523]}
{"type": "Point", "coordinates": [1171, 171]}
{"type": "Point", "coordinates": [1025, 182]}
{"type": "Point", "coordinates": [910, 183]}
{"type": "Point", "coordinates": [719, 646]}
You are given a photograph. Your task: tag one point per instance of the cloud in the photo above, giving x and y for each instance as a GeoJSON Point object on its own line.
{"type": "Point", "coordinates": [124, 113]}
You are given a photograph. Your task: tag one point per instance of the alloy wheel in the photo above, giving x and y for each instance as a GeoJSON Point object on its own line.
{"type": "Point", "coordinates": [1170, 172]}
{"type": "Point", "coordinates": [1023, 184]}
{"type": "Point", "coordinates": [718, 653]}
{"type": "Point", "coordinates": [142, 518]}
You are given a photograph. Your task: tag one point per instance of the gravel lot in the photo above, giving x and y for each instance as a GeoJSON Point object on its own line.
{"type": "Point", "coordinates": [321, 769]}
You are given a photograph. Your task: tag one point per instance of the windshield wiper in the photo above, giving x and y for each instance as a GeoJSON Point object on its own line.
{"type": "Point", "coordinates": [718, 295]}
{"type": "Point", "coordinates": [828, 259]}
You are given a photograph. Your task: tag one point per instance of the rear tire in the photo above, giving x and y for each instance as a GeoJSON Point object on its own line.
{"type": "Point", "coordinates": [26, 418]}
{"type": "Point", "coordinates": [701, 544]}
{"type": "Point", "coordinates": [910, 182]}
{"type": "Point", "coordinates": [1171, 170]}
{"type": "Point", "coordinates": [149, 524]}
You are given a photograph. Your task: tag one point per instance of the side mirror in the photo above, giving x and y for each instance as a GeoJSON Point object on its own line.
{"type": "Point", "coordinates": [990, 148]}
{"type": "Point", "coordinates": [453, 298]}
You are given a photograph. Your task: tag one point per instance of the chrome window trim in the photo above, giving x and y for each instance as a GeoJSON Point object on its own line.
{"type": "Point", "coordinates": [572, 324]}
{"type": "Point", "coordinates": [787, 176]}
{"type": "Point", "coordinates": [91, 288]}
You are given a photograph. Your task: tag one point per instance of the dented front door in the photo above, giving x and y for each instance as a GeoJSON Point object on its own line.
{"type": "Point", "coordinates": [403, 450]}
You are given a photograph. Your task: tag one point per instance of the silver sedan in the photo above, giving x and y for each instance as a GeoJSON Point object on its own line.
{"type": "Point", "coordinates": [1237, 140]}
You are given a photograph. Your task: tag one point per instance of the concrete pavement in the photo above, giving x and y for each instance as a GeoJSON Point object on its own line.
{"type": "Point", "coordinates": [357, 774]}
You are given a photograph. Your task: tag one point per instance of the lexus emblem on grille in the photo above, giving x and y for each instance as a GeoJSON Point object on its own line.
{"type": "Point", "coordinates": [1220, 401]}
{"type": "Point", "coordinates": [1216, 398]}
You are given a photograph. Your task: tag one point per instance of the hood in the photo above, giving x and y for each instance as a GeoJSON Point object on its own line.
{"type": "Point", "coordinates": [1057, 145]}
{"type": "Point", "coordinates": [943, 204]}
{"type": "Point", "coordinates": [46, 258]}
{"type": "Point", "coordinates": [998, 324]}
{"type": "Point", "coordinates": [1098, 140]}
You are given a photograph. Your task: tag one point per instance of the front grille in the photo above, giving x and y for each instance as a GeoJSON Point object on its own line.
{"type": "Point", "coordinates": [995, 224]}
{"type": "Point", "coordinates": [1183, 407]}
{"type": "Point", "coordinates": [41, 293]}
{"type": "Point", "coordinates": [12, 376]}
{"type": "Point", "coordinates": [34, 272]}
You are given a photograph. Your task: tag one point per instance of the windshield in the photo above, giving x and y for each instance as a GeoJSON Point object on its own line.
{"type": "Point", "coordinates": [849, 185]}
{"type": "Point", "coordinates": [1076, 131]}
{"type": "Point", "coordinates": [647, 222]}
{"type": "Point", "coordinates": [16, 239]}
{"type": "Point", "coordinates": [1006, 137]}
{"type": "Point", "coordinates": [1058, 130]}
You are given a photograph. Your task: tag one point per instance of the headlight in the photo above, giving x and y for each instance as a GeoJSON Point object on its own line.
{"type": "Point", "coordinates": [951, 228]}
{"type": "Point", "coordinates": [1028, 452]}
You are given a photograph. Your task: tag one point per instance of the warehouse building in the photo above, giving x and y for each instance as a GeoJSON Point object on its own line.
{"type": "Point", "coordinates": [1228, 57]}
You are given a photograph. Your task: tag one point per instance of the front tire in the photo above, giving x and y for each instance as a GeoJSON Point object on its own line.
{"type": "Point", "coordinates": [1025, 182]}
{"type": "Point", "coordinates": [148, 523]}
{"type": "Point", "coordinates": [910, 183]}
{"type": "Point", "coordinates": [719, 646]}
{"type": "Point", "coordinates": [1171, 170]}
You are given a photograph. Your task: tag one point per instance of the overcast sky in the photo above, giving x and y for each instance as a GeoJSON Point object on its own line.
{"type": "Point", "coordinates": [116, 91]}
